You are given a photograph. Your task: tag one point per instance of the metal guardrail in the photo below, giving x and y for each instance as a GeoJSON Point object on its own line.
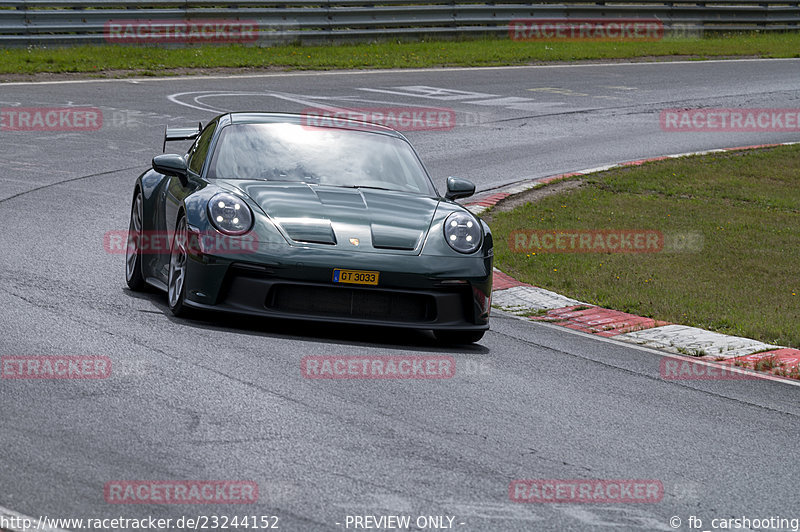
{"type": "Point", "coordinates": [26, 22]}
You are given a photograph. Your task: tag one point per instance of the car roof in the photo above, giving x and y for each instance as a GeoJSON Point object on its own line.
{"type": "Point", "coordinates": [314, 118]}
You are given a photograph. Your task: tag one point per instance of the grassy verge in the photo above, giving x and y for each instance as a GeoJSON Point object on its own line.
{"type": "Point", "coordinates": [483, 52]}
{"type": "Point", "coordinates": [739, 273]}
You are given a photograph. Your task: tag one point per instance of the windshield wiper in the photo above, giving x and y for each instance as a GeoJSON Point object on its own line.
{"type": "Point", "coordinates": [373, 188]}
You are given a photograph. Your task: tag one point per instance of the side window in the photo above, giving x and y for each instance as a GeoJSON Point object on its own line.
{"type": "Point", "coordinates": [199, 150]}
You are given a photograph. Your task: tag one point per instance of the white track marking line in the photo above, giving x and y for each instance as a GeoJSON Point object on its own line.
{"type": "Point", "coordinates": [382, 71]}
{"type": "Point", "coordinates": [699, 361]}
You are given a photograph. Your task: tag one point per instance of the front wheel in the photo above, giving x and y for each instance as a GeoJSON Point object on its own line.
{"type": "Point", "coordinates": [176, 285]}
{"type": "Point", "coordinates": [458, 337]}
{"type": "Point", "coordinates": [133, 251]}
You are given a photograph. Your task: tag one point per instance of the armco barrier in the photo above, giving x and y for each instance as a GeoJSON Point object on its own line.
{"type": "Point", "coordinates": [26, 22]}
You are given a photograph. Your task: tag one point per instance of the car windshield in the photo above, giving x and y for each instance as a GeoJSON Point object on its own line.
{"type": "Point", "coordinates": [317, 155]}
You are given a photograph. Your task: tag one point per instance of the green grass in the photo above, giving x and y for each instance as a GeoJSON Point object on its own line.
{"type": "Point", "coordinates": [480, 52]}
{"type": "Point", "coordinates": [743, 275]}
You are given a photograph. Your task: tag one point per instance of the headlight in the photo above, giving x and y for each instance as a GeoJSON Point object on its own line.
{"type": "Point", "coordinates": [230, 214]}
{"type": "Point", "coordinates": [463, 232]}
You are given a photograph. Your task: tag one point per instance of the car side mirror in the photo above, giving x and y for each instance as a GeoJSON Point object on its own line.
{"type": "Point", "coordinates": [171, 164]}
{"type": "Point", "coordinates": [459, 188]}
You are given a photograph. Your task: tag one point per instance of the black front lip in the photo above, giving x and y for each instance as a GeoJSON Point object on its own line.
{"type": "Point", "coordinates": [451, 308]}
{"type": "Point", "coordinates": [462, 326]}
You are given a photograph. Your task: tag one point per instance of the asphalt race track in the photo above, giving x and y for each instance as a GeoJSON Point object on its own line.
{"type": "Point", "coordinates": [224, 399]}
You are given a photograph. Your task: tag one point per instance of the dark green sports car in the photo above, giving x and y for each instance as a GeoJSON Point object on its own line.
{"type": "Point", "coordinates": [268, 216]}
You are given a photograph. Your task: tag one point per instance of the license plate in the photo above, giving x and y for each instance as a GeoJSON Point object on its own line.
{"type": "Point", "coordinates": [355, 277]}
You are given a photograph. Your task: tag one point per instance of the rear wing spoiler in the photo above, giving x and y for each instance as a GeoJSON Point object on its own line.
{"type": "Point", "coordinates": [172, 134]}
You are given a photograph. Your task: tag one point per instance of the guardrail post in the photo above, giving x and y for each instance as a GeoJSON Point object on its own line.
{"type": "Point", "coordinates": [25, 21]}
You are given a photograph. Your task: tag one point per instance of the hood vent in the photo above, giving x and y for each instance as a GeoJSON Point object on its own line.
{"type": "Point", "coordinates": [312, 230]}
{"type": "Point", "coordinates": [394, 237]}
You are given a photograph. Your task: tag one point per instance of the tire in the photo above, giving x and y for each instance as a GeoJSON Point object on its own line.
{"type": "Point", "coordinates": [176, 282]}
{"type": "Point", "coordinates": [458, 337]}
{"type": "Point", "coordinates": [133, 251]}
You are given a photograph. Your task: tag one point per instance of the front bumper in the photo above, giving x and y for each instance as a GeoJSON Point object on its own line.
{"type": "Point", "coordinates": [442, 293]}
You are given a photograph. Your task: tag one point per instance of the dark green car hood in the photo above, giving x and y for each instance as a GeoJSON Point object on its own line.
{"type": "Point", "coordinates": [362, 219]}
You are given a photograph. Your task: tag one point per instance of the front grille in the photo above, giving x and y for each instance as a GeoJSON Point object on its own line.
{"type": "Point", "coordinates": [352, 303]}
